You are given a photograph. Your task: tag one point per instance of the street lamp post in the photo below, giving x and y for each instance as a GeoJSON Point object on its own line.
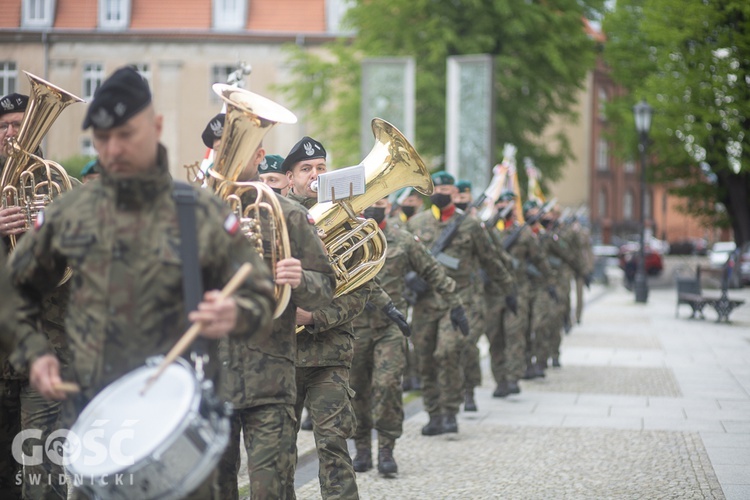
{"type": "Point", "coordinates": [642, 113]}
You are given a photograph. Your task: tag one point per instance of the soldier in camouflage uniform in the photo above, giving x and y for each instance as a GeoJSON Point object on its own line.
{"type": "Point", "coordinates": [325, 348]}
{"type": "Point", "coordinates": [259, 375]}
{"type": "Point", "coordinates": [23, 407]}
{"type": "Point", "coordinates": [378, 345]}
{"type": "Point", "coordinates": [120, 235]}
{"type": "Point", "coordinates": [436, 334]}
{"type": "Point", "coordinates": [506, 329]}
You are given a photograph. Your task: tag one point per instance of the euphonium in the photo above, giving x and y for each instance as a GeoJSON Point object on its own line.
{"type": "Point", "coordinates": [357, 246]}
{"type": "Point", "coordinates": [29, 181]}
{"type": "Point", "coordinates": [248, 118]}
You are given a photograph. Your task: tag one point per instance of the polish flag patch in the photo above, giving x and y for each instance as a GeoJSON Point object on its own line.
{"type": "Point", "coordinates": [39, 220]}
{"type": "Point", "coordinates": [310, 220]}
{"type": "Point", "coordinates": [232, 224]}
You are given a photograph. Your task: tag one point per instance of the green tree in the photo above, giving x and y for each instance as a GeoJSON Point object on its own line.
{"type": "Point", "coordinates": [691, 62]}
{"type": "Point", "coordinates": [541, 50]}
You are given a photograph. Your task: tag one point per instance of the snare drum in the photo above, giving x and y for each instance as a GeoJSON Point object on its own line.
{"type": "Point", "coordinates": [163, 444]}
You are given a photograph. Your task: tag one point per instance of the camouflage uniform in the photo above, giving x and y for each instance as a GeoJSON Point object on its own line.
{"type": "Point", "coordinates": [438, 343]}
{"type": "Point", "coordinates": [378, 345]}
{"type": "Point", "coordinates": [121, 238]}
{"type": "Point", "coordinates": [507, 331]}
{"type": "Point", "coordinates": [583, 247]}
{"type": "Point", "coordinates": [324, 357]}
{"type": "Point", "coordinates": [24, 408]}
{"type": "Point", "coordinates": [259, 376]}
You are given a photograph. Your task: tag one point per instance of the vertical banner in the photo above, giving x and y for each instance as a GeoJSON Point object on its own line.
{"type": "Point", "coordinates": [387, 93]}
{"type": "Point", "coordinates": [469, 131]}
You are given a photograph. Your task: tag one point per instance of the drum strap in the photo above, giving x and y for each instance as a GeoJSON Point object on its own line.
{"type": "Point", "coordinates": [192, 277]}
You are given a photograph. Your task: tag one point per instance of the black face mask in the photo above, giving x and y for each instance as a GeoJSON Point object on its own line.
{"type": "Point", "coordinates": [375, 213]}
{"type": "Point", "coordinates": [462, 206]}
{"type": "Point", "coordinates": [409, 211]}
{"type": "Point", "coordinates": [276, 190]}
{"type": "Point", "coordinates": [545, 223]}
{"type": "Point", "coordinates": [441, 200]}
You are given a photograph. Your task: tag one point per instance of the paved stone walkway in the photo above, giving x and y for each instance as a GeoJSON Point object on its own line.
{"type": "Point", "coordinates": [646, 405]}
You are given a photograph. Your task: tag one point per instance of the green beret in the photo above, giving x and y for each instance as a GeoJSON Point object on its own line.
{"type": "Point", "coordinates": [441, 178]}
{"type": "Point", "coordinates": [463, 186]}
{"type": "Point", "coordinates": [530, 204]}
{"type": "Point", "coordinates": [91, 167]}
{"type": "Point", "coordinates": [271, 164]}
{"type": "Point", "coordinates": [506, 195]}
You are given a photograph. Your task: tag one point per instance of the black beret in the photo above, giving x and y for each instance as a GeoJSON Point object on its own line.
{"type": "Point", "coordinates": [306, 149]}
{"type": "Point", "coordinates": [123, 95]}
{"type": "Point", "coordinates": [13, 103]}
{"type": "Point", "coordinates": [213, 130]}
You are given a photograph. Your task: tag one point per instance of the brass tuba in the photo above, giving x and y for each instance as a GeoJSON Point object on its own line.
{"type": "Point", "coordinates": [356, 246]}
{"type": "Point", "coordinates": [248, 118]}
{"type": "Point", "coordinates": [29, 181]}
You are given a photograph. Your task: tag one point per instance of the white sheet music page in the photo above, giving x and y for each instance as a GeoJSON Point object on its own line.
{"type": "Point", "coordinates": [341, 183]}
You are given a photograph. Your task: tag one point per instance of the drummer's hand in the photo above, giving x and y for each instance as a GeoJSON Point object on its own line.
{"type": "Point", "coordinates": [45, 375]}
{"type": "Point", "coordinates": [304, 317]}
{"type": "Point", "coordinates": [289, 272]}
{"type": "Point", "coordinates": [218, 316]}
{"type": "Point", "coordinates": [11, 221]}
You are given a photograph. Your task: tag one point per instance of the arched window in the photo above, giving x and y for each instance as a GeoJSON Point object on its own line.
{"type": "Point", "coordinates": [628, 201]}
{"type": "Point", "coordinates": [603, 203]}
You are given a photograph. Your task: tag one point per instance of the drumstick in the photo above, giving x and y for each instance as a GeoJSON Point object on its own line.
{"type": "Point", "coordinates": [70, 387]}
{"type": "Point", "coordinates": [189, 336]}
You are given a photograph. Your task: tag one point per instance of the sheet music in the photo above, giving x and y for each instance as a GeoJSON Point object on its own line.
{"type": "Point", "coordinates": [345, 182]}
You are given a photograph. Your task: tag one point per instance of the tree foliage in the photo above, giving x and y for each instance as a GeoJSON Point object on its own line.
{"type": "Point", "coordinates": [542, 55]}
{"type": "Point", "coordinates": [691, 62]}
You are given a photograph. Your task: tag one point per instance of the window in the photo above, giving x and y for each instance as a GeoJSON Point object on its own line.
{"type": "Point", "coordinates": [627, 205]}
{"type": "Point", "coordinates": [629, 167]}
{"type": "Point", "coordinates": [602, 155]}
{"type": "Point", "coordinates": [602, 203]}
{"type": "Point", "coordinates": [114, 14]}
{"type": "Point", "coordinates": [229, 15]}
{"type": "Point", "coordinates": [602, 103]}
{"type": "Point", "coordinates": [219, 74]}
{"type": "Point", "coordinates": [649, 199]}
{"type": "Point", "coordinates": [37, 13]}
{"type": "Point", "coordinates": [8, 77]}
{"type": "Point", "coordinates": [87, 147]}
{"type": "Point", "coordinates": [93, 76]}
{"type": "Point", "coordinates": [335, 12]}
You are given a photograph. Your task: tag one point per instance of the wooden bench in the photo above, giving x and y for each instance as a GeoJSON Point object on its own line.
{"type": "Point", "coordinates": [689, 292]}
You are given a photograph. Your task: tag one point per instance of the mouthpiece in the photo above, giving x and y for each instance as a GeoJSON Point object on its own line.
{"type": "Point", "coordinates": [314, 186]}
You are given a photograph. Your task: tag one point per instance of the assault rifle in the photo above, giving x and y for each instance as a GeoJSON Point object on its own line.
{"type": "Point", "coordinates": [512, 239]}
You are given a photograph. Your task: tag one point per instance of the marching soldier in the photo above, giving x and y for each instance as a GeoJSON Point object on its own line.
{"type": "Point", "coordinates": [409, 202]}
{"type": "Point", "coordinates": [378, 345]}
{"type": "Point", "coordinates": [259, 375]}
{"type": "Point", "coordinates": [23, 407]}
{"type": "Point", "coordinates": [119, 235]}
{"type": "Point", "coordinates": [436, 334]}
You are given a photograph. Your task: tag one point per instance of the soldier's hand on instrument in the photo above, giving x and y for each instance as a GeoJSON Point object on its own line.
{"type": "Point", "coordinates": [304, 317]}
{"type": "Point", "coordinates": [218, 316]}
{"type": "Point", "coordinates": [44, 377]}
{"type": "Point", "coordinates": [289, 272]}
{"type": "Point", "coordinates": [11, 221]}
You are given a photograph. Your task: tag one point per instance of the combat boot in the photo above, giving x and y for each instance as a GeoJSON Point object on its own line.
{"type": "Point", "coordinates": [362, 460]}
{"type": "Point", "coordinates": [449, 423]}
{"type": "Point", "coordinates": [513, 387]}
{"type": "Point", "coordinates": [434, 426]}
{"type": "Point", "coordinates": [469, 403]}
{"type": "Point", "coordinates": [555, 362]}
{"type": "Point", "coordinates": [501, 391]}
{"type": "Point", "coordinates": [386, 463]}
{"type": "Point", "coordinates": [530, 372]}
{"type": "Point", "coordinates": [540, 369]}
{"type": "Point", "coordinates": [306, 424]}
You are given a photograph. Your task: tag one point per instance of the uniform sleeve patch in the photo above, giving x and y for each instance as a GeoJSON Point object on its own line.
{"type": "Point", "coordinates": [232, 224]}
{"type": "Point", "coordinates": [310, 220]}
{"type": "Point", "coordinates": [416, 238]}
{"type": "Point", "coordinates": [39, 220]}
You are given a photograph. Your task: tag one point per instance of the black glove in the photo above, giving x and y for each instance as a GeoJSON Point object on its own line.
{"type": "Point", "coordinates": [410, 296]}
{"type": "Point", "coordinates": [459, 320]}
{"type": "Point", "coordinates": [553, 293]}
{"type": "Point", "coordinates": [416, 283]}
{"type": "Point", "coordinates": [397, 317]}
{"type": "Point", "coordinates": [512, 302]}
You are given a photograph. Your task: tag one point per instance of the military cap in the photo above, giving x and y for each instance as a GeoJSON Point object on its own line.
{"type": "Point", "coordinates": [441, 178]}
{"type": "Point", "coordinates": [213, 130]}
{"type": "Point", "coordinates": [506, 195]}
{"type": "Point", "coordinates": [463, 186]}
{"type": "Point", "coordinates": [13, 103]}
{"type": "Point", "coordinates": [271, 164]}
{"type": "Point", "coordinates": [123, 95]}
{"type": "Point", "coordinates": [529, 205]}
{"type": "Point", "coordinates": [91, 167]}
{"type": "Point", "coordinates": [306, 149]}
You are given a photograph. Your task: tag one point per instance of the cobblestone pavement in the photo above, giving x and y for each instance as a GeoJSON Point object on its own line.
{"type": "Point", "coordinates": [646, 405]}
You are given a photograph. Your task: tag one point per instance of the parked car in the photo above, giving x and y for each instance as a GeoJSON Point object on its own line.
{"type": "Point", "coordinates": [689, 246]}
{"type": "Point", "coordinates": [629, 255]}
{"type": "Point", "coordinates": [719, 253]}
